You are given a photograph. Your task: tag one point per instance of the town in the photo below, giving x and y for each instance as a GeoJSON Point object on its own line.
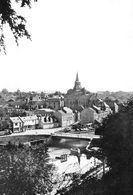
{"type": "Point", "coordinates": [66, 97]}
{"type": "Point", "coordinates": [69, 124]}
{"type": "Point", "coordinates": [78, 108]}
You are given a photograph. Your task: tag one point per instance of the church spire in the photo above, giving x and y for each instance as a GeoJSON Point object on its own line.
{"type": "Point", "coordinates": [77, 85]}
{"type": "Point", "coordinates": [77, 77]}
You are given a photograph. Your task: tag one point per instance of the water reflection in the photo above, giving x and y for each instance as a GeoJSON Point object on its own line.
{"type": "Point", "coordinates": [69, 143]}
{"type": "Point", "coordinates": [75, 163]}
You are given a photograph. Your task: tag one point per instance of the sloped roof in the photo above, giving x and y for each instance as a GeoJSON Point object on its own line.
{"type": "Point", "coordinates": [84, 97]}
{"type": "Point", "coordinates": [45, 109]}
{"type": "Point", "coordinates": [87, 109]}
{"type": "Point", "coordinates": [15, 119]}
{"type": "Point", "coordinates": [97, 121]}
{"type": "Point", "coordinates": [96, 108]}
{"type": "Point", "coordinates": [61, 112]}
{"type": "Point", "coordinates": [78, 108]}
{"type": "Point", "coordinates": [17, 103]}
{"type": "Point", "coordinates": [106, 105]}
{"type": "Point", "coordinates": [67, 110]}
{"type": "Point", "coordinates": [27, 118]}
{"type": "Point", "coordinates": [41, 102]}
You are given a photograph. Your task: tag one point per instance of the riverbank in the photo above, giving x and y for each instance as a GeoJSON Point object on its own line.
{"type": "Point", "coordinates": [20, 139]}
{"type": "Point", "coordinates": [37, 134]}
{"type": "Point", "coordinates": [27, 136]}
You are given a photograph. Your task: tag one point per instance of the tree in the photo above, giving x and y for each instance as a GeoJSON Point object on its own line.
{"type": "Point", "coordinates": [17, 23]}
{"type": "Point", "coordinates": [25, 171]}
{"type": "Point", "coordinates": [117, 148]}
{"type": "Point", "coordinates": [57, 93]}
{"type": "Point", "coordinates": [2, 112]}
{"type": "Point", "coordinates": [4, 91]}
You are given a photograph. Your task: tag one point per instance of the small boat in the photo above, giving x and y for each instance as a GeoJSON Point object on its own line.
{"type": "Point", "coordinates": [58, 157]}
{"type": "Point", "coordinates": [75, 150]}
{"type": "Point", "coordinates": [92, 149]}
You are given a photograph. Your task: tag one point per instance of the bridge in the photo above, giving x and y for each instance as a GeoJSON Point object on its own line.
{"type": "Point", "coordinates": [80, 136]}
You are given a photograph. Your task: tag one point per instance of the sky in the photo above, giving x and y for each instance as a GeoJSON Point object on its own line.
{"type": "Point", "coordinates": [91, 37]}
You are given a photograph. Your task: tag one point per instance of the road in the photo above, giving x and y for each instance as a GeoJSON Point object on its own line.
{"type": "Point", "coordinates": [37, 132]}
{"type": "Point", "coordinates": [56, 132]}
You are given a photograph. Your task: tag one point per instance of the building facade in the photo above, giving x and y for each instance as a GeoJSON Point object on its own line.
{"type": "Point", "coordinates": [46, 118]}
{"type": "Point", "coordinates": [55, 103]}
{"type": "Point", "coordinates": [78, 96]}
{"type": "Point", "coordinates": [65, 117]}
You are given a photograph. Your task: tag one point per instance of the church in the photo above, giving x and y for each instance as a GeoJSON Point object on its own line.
{"type": "Point", "coordinates": [78, 97]}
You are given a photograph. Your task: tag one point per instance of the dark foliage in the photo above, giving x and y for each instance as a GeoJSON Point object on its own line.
{"type": "Point", "coordinates": [117, 147]}
{"type": "Point", "coordinates": [25, 170]}
{"type": "Point", "coordinates": [117, 150]}
{"type": "Point", "coordinates": [17, 23]}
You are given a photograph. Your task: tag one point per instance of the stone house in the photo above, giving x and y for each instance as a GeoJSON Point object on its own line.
{"type": "Point", "coordinates": [46, 118]}
{"type": "Point", "coordinates": [88, 115]}
{"type": "Point", "coordinates": [64, 116]}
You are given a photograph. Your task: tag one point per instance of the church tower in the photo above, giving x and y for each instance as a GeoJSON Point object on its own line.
{"type": "Point", "coordinates": [77, 85]}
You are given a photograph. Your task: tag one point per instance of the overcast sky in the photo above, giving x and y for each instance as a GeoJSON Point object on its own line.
{"type": "Point", "coordinates": [93, 37]}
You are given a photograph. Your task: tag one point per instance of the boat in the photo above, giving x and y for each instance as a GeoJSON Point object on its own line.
{"type": "Point", "coordinates": [75, 150]}
{"type": "Point", "coordinates": [94, 143]}
{"type": "Point", "coordinates": [58, 157]}
{"type": "Point", "coordinates": [92, 149]}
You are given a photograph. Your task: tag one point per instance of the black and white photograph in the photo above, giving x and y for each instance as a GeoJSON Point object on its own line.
{"type": "Point", "coordinates": [66, 97]}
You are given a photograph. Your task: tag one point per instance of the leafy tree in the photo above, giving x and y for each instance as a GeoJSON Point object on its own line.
{"type": "Point", "coordinates": [117, 147]}
{"type": "Point", "coordinates": [16, 113]}
{"type": "Point", "coordinates": [25, 171]}
{"type": "Point", "coordinates": [57, 93]}
{"type": "Point", "coordinates": [18, 91]}
{"type": "Point", "coordinates": [2, 112]}
{"type": "Point", "coordinates": [17, 23]}
{"type": "Point", "coordinates": [4, 91]}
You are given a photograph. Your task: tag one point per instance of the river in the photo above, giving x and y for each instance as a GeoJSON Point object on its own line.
{"type": "Point", "coordinates": [74, 163]}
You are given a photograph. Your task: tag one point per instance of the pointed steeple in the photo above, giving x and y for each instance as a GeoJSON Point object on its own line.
{"type": "Point", "coordinates": [77, 77]}
{"type": "Point", "coordinates": [77, 85]}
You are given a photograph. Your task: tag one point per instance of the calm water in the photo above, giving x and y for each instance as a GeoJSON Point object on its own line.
{"type": "Point", "coordinates": [73, 164]}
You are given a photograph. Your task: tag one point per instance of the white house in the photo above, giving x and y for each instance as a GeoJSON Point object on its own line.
{"type": "Point", "coordinates": [29, 122]}
{"type": "Point", "coordinates": [16, 123]}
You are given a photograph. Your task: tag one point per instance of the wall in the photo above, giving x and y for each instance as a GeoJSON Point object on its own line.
{"type": "Point", "coordinates": [87, 116]}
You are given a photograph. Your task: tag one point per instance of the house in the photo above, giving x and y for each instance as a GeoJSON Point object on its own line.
{"type": "Point", "coordinates": [112, 104]}
{"type": "Point", "coordinates": [76, 115]}
{"type": "Point", "coordinates": [44, 112]}
{"type": "Point", "coordinates": [107, 110]}
{"type": "Point", "coordinates": [116, 107]}
{"type": "Point", "coordinates": [64, 116]}
{"type": "Point", "coordinates": [46, 118]}
{"type": "Point", "coordinates": [95, 113]}
{"type": "Point", "coordinates": [29, 122]}
{"type": "Point", "coordinates": [47, 122]}
{"type": "Point", "coordinates": [88, 115]}
{"type": "Point", "coordinates": [16, 124]}
{"type": "Point", "coordinates": [36, 98]}
{"type": "Point", "coordinates": [56, 102]}
{"type": "Point", "coordinates": [16, 105]}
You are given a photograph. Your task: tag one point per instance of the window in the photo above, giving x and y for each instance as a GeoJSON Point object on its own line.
{"type": "Point", "coordinates": [16, 124]}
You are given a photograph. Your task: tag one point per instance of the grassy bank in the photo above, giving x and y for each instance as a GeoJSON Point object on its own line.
{"type": "Point", "coordinates": [20, 138]}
